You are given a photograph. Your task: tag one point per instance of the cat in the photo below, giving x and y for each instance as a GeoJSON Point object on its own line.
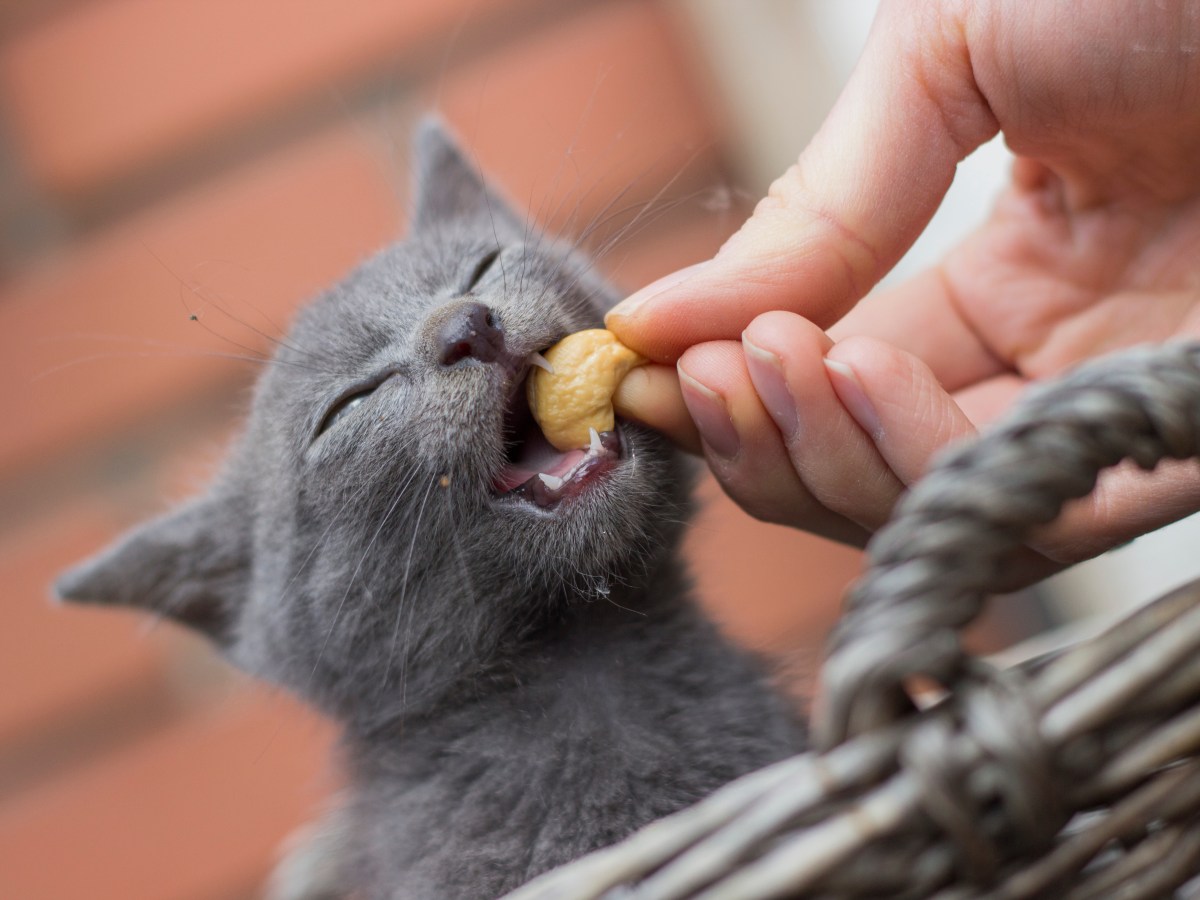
{"type": "Point", "coordinates": [517, 665]}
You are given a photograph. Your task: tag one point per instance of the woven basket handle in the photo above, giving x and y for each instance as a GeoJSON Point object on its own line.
{"type": "Point", "coordinates": [931, 568]}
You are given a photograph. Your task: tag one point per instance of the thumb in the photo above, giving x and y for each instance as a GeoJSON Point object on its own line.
{"type": "Point", "coordinates": [835, 222]}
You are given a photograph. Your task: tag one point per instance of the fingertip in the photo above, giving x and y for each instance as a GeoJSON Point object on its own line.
{"type": "Point", "coordinates": [890, 380]}
{"type": "Point", "coordinates": [712, 417]}
{"type": "Point", "coordinates": [629, 307]}
{"type": "Point", "coordinates": [648, 331]}
{"type": "Point", "coordinates": [854, 398]}
{"type": "Point", "coordinates": [784, 332]}
{"type": "Point", "coordinates": [769, 340]}
{"type": "Point", "coordinates": [897, 401]}
{"type": "Point", "coordinates": [646, 320]}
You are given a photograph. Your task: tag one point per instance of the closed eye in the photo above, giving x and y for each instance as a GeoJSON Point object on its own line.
{"type": "Point", "coordinates": [342, 408]}
{"type": "Point", "coordinates": [481, 269]}
{"type": "Point", "coordinates": [345, 405]}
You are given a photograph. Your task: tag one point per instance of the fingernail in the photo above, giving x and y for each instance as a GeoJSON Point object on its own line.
{"type": "Point", "coordinates": [766, 371]}
{"type": "Point", "coordinates": [711, 415]}
{"type": "Point", "coordinates": [850, 391]}
{"type": "Point", "coordinates": [635, 301]}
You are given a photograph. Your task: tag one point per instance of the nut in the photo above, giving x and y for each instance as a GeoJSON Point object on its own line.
{"type": "Point", "coordinates": [577, 395]}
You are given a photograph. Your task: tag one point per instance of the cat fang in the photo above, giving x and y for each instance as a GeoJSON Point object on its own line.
{"type": "Point", "coordinates": [584, 467]}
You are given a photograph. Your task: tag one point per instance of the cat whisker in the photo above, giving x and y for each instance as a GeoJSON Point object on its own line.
{"type": "Point", "coordinates": [160, 354]}
{"type": "Point", "coordinates": [401, 606]}
{"type": "Point", "coordinates": [568, 154]}
{"type": "Point", "coordinates": [195, 291]}
{"type": "Point", "coordinates": [563, 258]}
{"type": "Point", "coordinates": [399, 494]}
{"type": "Point", "coordinates": [348, 506]}
{"type": "Point", "coordinates": [635, 226]}
{"type": "Point", "coordinates": [627, 231]}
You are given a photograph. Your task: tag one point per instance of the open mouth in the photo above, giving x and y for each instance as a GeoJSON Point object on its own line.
{"type": "Point", "coordinates": [538, 473]}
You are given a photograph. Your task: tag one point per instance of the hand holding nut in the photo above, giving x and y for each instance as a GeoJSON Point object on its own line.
{"type": "Point", "coordinates": [577, 395]}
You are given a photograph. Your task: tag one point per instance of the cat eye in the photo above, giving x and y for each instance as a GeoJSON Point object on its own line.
{"type": "Point", "coordinates": [343, 408]}
{"type": "Point", "coordinates": [352, 398]}
{"type": "Point", "coordinates": [481, 269]}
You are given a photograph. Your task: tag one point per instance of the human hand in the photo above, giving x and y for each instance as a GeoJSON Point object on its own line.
{"type": "Point", "coordinates": [1094, 246]}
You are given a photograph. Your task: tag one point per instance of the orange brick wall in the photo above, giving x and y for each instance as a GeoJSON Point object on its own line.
{"type": "Point", "coordinates": [227, 158]}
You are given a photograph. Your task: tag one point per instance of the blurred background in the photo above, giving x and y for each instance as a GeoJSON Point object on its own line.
{"type": "Point", "coordinates": [175, 177]}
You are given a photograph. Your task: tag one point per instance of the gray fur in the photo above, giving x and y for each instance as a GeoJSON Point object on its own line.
{"type": "Point", "coordinates": [517, 685]}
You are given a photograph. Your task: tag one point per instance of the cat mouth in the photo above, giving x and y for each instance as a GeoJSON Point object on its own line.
{"type": "Point", "coordinates": [536, 472]}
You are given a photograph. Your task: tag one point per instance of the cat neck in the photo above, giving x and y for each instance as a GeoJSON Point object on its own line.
{"type": "Point", "coordinates": [595, 638]}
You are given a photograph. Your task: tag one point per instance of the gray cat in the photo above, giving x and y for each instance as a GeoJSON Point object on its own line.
{"type": "Point", "coordinates": [519, 670]}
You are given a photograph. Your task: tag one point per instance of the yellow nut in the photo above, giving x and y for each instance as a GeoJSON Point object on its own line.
{"type": "Point", "coordinates": [577, 395]}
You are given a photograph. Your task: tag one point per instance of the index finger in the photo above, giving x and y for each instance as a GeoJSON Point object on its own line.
{"type": "Point", "coordinates": [835, 222]}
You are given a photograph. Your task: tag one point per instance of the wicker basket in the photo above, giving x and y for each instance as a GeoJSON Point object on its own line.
{"type": "Point", "coordinates": [1073, 775]}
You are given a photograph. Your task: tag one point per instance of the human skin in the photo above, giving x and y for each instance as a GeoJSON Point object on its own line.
{"type": "Point", "coordinates": [817, 410]}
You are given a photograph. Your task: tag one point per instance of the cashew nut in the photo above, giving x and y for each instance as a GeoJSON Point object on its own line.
{"type": "Point", "coordinates": [577, 395]}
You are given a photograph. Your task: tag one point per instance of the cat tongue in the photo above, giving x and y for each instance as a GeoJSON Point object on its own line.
{"type": "Point", "coordinates": [537, 456]}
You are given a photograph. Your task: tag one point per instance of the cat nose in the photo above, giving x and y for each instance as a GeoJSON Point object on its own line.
{"type": "Point", "coordinates": [470, 331]}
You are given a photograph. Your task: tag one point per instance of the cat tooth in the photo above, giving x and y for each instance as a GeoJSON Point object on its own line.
{"type": "Point", "coordinates": [550, 481]}
{"type": "Point", "coordinates": [540, 361]}
{"type": "Point", "coordinates": [595, 448]}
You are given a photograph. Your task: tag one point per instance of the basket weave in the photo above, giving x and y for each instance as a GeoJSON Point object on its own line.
{"type": "Point", "coordinates": [1075, 775]}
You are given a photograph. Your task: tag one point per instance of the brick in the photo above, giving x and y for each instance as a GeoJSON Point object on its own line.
{"type": "Point", "coordinates": [100, 337]}
{"type": "Point", "coordinates": [14, 16]}
{"type": "Point", "coordinates": [197, 811]}
{"type": "Point", "coordinates": [570, 117]}
{"type": "Point", "coordinates": [105, 88]}
{"type": "Point", "coordinates": [57, 663]}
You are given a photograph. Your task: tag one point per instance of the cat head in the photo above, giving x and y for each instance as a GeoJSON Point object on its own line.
{"type": "Point", "coordinates": [379, 530]}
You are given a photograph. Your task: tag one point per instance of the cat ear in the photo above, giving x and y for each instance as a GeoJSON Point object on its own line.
{"type": "Point", "coordinates": [192, 565]}
{"type": "Point", "coordinates": [449, 186]}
